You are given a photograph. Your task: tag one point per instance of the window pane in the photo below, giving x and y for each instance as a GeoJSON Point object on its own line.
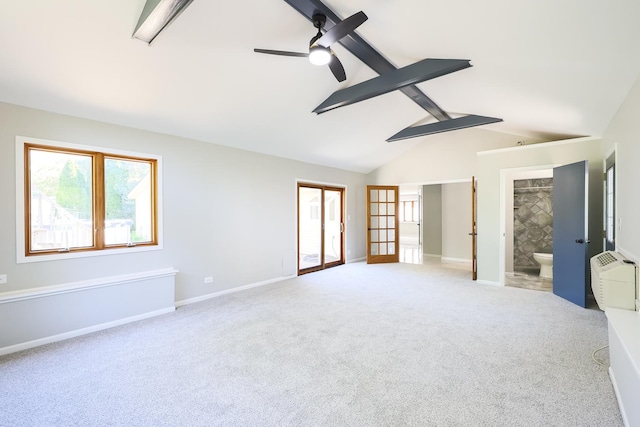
{"type": "Point", "coordinates": [391, 208]}
{"type": "Point", "coordinates": [374, 249]}
{"type": "Point", "coordinates": [310, 227]}
{"type": "Point", "coordinates": [391, 196]}
{"type": "Point", "coordinates": [333, 226]}
{"type": "Point", "coordinates": [128, 201]}
{"type": "Point", "coordinates": [610, 206]}
{"type": "Point", "coordinates": [392, 235]}
{"type": "Point", "coordinates": [61, 215]}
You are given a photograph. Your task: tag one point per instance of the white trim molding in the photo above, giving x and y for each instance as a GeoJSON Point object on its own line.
{"type": "Point", "coordinates": [47, 291]}
{"type": "Point", "coordinates": [232, 290]}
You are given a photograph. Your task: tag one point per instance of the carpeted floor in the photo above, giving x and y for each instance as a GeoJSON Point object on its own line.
{"type": "Point", "coordinates": [356, 345]}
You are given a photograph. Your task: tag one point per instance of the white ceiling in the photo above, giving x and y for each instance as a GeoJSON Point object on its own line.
{"type": "Point", "coordinates": [549, 68]}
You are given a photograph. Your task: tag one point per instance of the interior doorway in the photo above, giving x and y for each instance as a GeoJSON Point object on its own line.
{"type": "Point", "coordinates": [527, 225]}
{"type": "Point", "coordinates": [410, 223]}
{"type": "Point", "coordinates": [320, 227]}
{"type": "Point", "coordinates": [382, 224]}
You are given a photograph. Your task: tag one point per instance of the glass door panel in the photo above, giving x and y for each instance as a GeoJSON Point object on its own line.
{"type": "Point", "coordinates": [309, 227]}
{"type": "Point", "coordinates": [320, 227]}
{"type": "Point", "coordinates": [333, 226]}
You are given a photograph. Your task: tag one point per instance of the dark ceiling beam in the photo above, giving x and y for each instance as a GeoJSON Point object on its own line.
{"type": "Point", "coordinates": [366, 53]}
{"type": "Point", "coordinates": [393, 80]}
{"type": "Point", "coordinates": [443, 126]}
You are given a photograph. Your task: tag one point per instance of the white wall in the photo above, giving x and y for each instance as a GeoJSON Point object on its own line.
{"type": "Point", "coordinates": [442, 158]}
{"type": "Point", "coordinates": [432, 219]}
{"type": "Point", "coordinates": [494, 166]}
{"type": "Point", "coordinates": [228, 213]}
{"type": "Point", "coordinates": [623, 135]}
{"type": "Point", "coordinates": [447, 159]}
{"type": "Point", "coordinates": [456, 222]}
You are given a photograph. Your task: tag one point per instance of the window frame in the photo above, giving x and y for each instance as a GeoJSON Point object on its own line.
{"type": "Point", "coordinates": [99, 248]}
{"type": "Point", "coordinates": [414, 211]}
{"type": "Point", "coordinates": [610, 208]}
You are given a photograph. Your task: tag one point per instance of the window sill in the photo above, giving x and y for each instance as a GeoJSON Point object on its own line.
{"type": "Point", "coordinates": [22, 259]}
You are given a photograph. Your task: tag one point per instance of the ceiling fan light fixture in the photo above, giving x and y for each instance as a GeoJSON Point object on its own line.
{"type": "Point", "coordinates": [319, 55]}
{"type": "Point", "coordinates": [156, 16]}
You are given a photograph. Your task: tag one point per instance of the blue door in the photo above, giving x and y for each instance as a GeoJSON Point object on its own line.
{"type": "Point", "coordinates": [570, 232]}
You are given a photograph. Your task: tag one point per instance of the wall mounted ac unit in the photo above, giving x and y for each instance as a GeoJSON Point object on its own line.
{"type": "Point", "coordinates": [613, 281]}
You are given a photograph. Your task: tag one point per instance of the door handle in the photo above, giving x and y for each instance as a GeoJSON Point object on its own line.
{"type": "Point", "coordinates": [581, 241]}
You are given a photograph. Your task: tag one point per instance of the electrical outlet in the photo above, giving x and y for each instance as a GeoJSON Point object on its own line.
{"type": "Point", "coordinates": [3, 279]}
{"type": "Point", "coordinates": [208, 279]}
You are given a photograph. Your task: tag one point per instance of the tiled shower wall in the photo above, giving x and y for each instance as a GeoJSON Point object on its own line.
{"type": "Point", "coordinates": [532, 221]}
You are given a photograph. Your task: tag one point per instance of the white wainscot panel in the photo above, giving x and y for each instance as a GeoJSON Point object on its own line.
{"type": "Point", "coordinates": [53, 313]}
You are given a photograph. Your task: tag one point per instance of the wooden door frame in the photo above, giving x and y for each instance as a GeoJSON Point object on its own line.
{"type": "Point", "coordinates": [374, 259]}
{"type": "Point", "coordinates": [322, 188]}
{"type": "Point", "coordinates": [474, 229]}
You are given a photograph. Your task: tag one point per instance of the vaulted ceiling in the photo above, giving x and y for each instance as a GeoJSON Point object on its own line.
{"type": "Point", "coordinates": [550, 69]}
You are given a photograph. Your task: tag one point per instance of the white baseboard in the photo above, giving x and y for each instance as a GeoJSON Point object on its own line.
{"type": "Point", "coordinates": [231, 291]}
{"type": "Point", "coordinates": [83, 331]}
{"type": "Point", "coordinates": [431, 256]}
{"type": "Point", "coordinates": [357, 260]}
{"type": "Point", "coordinates": [460, 260]}
{"type": "Point", "coordinates": [488, 282]}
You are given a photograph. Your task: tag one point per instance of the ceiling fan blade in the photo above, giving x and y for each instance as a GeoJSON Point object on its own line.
{"type": "Point", "coordinates": [337, 69]}
{"type": "Point", "coordinates": [341, 29]}
{"type": "Point", "coordinates": [281, 52]}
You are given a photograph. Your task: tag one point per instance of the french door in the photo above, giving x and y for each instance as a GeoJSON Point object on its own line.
{"type": "Point", "coordinates": [382, 224]}
{"type": "Point", "coordinates": [320, 227]}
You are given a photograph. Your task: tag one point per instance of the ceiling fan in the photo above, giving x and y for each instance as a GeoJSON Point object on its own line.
{"type": "Point", "coordinates": [320, 52]}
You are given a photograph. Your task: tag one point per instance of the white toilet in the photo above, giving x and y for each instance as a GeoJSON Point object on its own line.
{"type": "Point", "coordinates": [546, 264]}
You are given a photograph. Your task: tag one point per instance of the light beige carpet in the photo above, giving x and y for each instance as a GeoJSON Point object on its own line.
{"type": "Point", "coordinates": [356, 345]}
